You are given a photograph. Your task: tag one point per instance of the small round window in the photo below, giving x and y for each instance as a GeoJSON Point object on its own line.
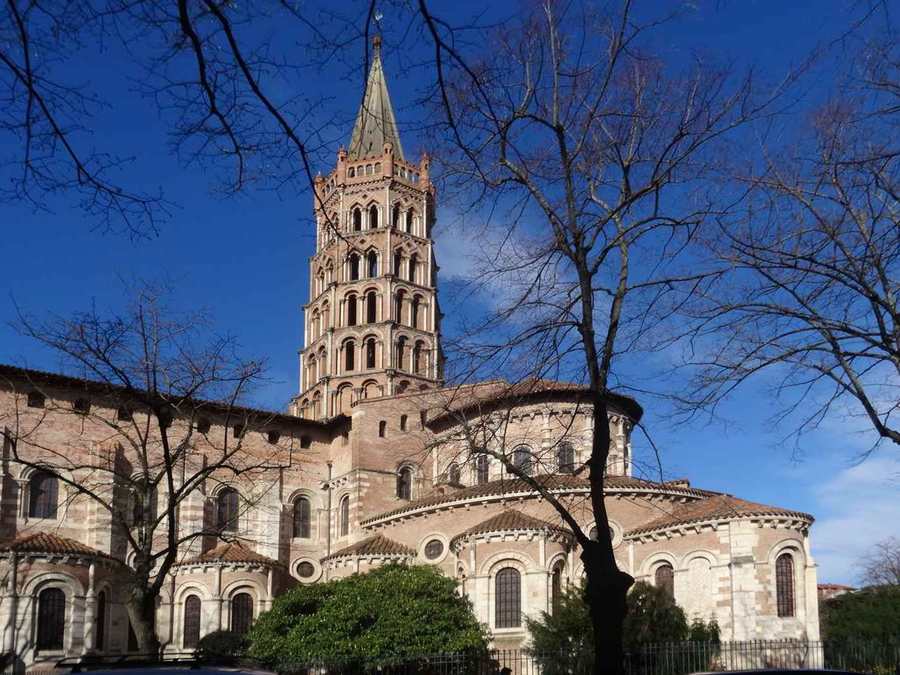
{"type": "Point", "coordinates": [434, 549]}
{"type": "Point", "coordinates": [306, 569]}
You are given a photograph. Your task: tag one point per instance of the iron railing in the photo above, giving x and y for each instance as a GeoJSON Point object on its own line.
{"type": "Point", "coordinates": [878, 657]}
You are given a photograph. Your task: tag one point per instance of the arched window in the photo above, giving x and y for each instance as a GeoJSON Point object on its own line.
{"type": "Point", "coordinates": [565, 458]}
{"type": "Point", "coordinates": [353, 263]}
{"type": "Point", "coordinates": [398, 306]}
{"type": "Point", "coordinates": [100, 621]}
{"type": "Point", "coordinates": [302, 518]}
{"type": "Point", "coordinates": [373, 217]}
{"type": "Point", "coordinates": [349, 355]}
{"type": "Point", "coordinates": [241, 613]}
{"type": "Point", "coordinates": [522, 459]}
{"type": "Point", "coordinates": [398, 263]}
{"type": "Point", "coordinates": [556, 579]}
{"type": "Point", "coordinates": [395, 216]}
{"type": "Point", "coordinates": [453, 474]}
{"type": "Point", "coordinates": [372, 264]}
{"type": "Point", "coordinates": [357, 219]}
{"type": "Point", "coordinates": [508, 598]}
{"type": "Point", "coordinates": [316, 324]}
{"type": "Point", "coordinates": [664, 578]}
{"type": "Point", "coordinates": [143, 504]}
{"type": "Point", "coordinates": [344, 516]}
{"type": "Point", "coordinates": [417, 358]}
{"type": "Point", "coordinates": [351, 309]}
{"type": "Point", "coordinates": [43, 495]}
{"type": "Point", "coordinates": [370, 353]}
{"type": "Point", "coordinates": [409, 221]}
{"type": "Point", "coordinates": [413, 264]}
{"type": "Point", "coordinates": [351, 172]}
{"type": "Point", "coordinates": [401, 353]}
{"type": "Point", "coordinates": [414, 311]}
{"type": "Point", "coordinates": [317, 405]}
{"type": "Point", "coordinates": [51, 619]}
{"type": "Point", "coordinates": [404, 483]}
{"type": "Point", "coordinates": [784, 584]}
{"type": "Point", "coordinates": [482, 469]}
{"type": "Point", "coordinates": [191, 621]}
{"type": "Point", "coordinates": [371, 307]}
{"type": "Point", "coordinates": [227, 510]}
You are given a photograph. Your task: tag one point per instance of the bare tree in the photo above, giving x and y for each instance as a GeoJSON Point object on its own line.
{"type": "Point", "coordinates": [598, 155]}
{"type": "Point", "coordinates": [814, 260]}
{"type": "Point", "coordinates": [881, 564]}
{"type": "Point", "coordinates": [160, 407]}
{"type": "Point", "coordinates": [209, 68]}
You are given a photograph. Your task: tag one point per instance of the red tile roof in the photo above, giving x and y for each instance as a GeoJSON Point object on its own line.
{"type": "Point", "coordinates": [483, 396]}
{"type": "Point", "coordinates": [379, 545]}
{"type": "Point", "coordinates": [512, 521]}
{"type": "Point", "coordinates": [716, 507]}
{"type": "Point", "coordinates": [230, 552]}
{"type": "Point", "coordinates": [44, 542]}
{"type": "Point", "coordinates": [553, 482]}
{"type": "Point", "coordinates": [105, 389]}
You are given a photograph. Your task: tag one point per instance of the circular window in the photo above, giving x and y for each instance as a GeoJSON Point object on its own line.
{"type": "Point", "coordinates": [434, 549]}
{"type": "Point", "coordinates": [306, 569]}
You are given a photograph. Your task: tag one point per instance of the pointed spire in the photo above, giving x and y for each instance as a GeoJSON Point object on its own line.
{"type": "Point", "coordinates": [375, 123]}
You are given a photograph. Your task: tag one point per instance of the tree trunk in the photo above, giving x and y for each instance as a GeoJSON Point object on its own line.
{"type": "Point", "coordinates": [606, 591]}
{"type": "Point", "coordinates": [141, 607]}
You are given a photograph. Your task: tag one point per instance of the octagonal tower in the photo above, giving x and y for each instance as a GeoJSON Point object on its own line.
{"type": "Point", "coordinates": [372, 323]}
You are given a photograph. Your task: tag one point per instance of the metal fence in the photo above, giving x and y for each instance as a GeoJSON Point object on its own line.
{"type": "Point", "coordinates": [678, 658]}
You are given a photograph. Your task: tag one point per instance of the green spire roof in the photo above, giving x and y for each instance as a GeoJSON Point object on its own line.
{"type": "Point", "coordinates": [375, 123]}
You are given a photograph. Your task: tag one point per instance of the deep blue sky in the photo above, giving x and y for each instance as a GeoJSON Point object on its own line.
{"type": "Point", "coordinates": [245, 259]}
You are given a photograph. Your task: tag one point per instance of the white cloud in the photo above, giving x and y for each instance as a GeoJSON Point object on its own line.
{"type": "Point", "coordinates": [456, 251]}
{"type": "Point", "coordinates": [861, 505]}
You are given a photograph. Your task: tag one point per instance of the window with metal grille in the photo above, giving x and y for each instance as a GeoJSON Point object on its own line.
{"type": "Point", "coordinates": [241, 613]}
{"type": "Point", "coordinates": [453, 474]}
{"type": "Point", "coordinates": [482, 469]}
{"type": "Point", "coordinates": [51, 619]}
{"type": "Point", "coordinates": [404, 483]}
{"type": "Point", "coordinates": [434, 549]}
{"type": "Point", "coordinates": [227, 510]}
{"type": "Point", "coordinates": [508, 598]}
{"type": "Point", "coordinates": [665, 579]}
{"type": "Point", "coordinates": [43, 495]}
{"type": "Point", "coordinates": [556, 579]}
{"type": "Point", "coordinates": [522, 459]}
{"type": "Point", "coordinates": [191, 621]}
{"type": "Point", "coordinates": [565, 458]}
{"type": "Point", "coordinates": [100, 621]}
{"type": "Point", "coordinates": [784, 584]}
{"type": "Point", "coordinates": [301, 518]}
{"type": "Point", "coordinates": [132, 638]}
{"type": "Point", "coordinates": [344, 524]}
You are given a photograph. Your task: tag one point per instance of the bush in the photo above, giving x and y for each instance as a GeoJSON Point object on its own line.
{"type": "Point", "coordinates": [869, 614]}
{"type": "Point", "coordinates": [563, 641]}
{"type": "Point", "coordinates": [391, 614]}
{"type": "Point", "coordinates": [222, 647]}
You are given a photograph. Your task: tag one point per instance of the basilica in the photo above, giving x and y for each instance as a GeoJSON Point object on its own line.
{"type": "Point", "coordinates": [388, 465]}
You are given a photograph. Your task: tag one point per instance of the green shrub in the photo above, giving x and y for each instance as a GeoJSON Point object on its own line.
{"type": "Point", "coordinates": [390, 614]}
{"type": "Point", "coordinates": [222, 646]}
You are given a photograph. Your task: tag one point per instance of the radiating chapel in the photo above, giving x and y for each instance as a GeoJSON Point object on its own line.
{"type": "Point", "coordinates": [385, 468]}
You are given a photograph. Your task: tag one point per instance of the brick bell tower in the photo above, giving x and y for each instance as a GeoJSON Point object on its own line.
{"type": "Point", "coordinates": [372, 323]}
